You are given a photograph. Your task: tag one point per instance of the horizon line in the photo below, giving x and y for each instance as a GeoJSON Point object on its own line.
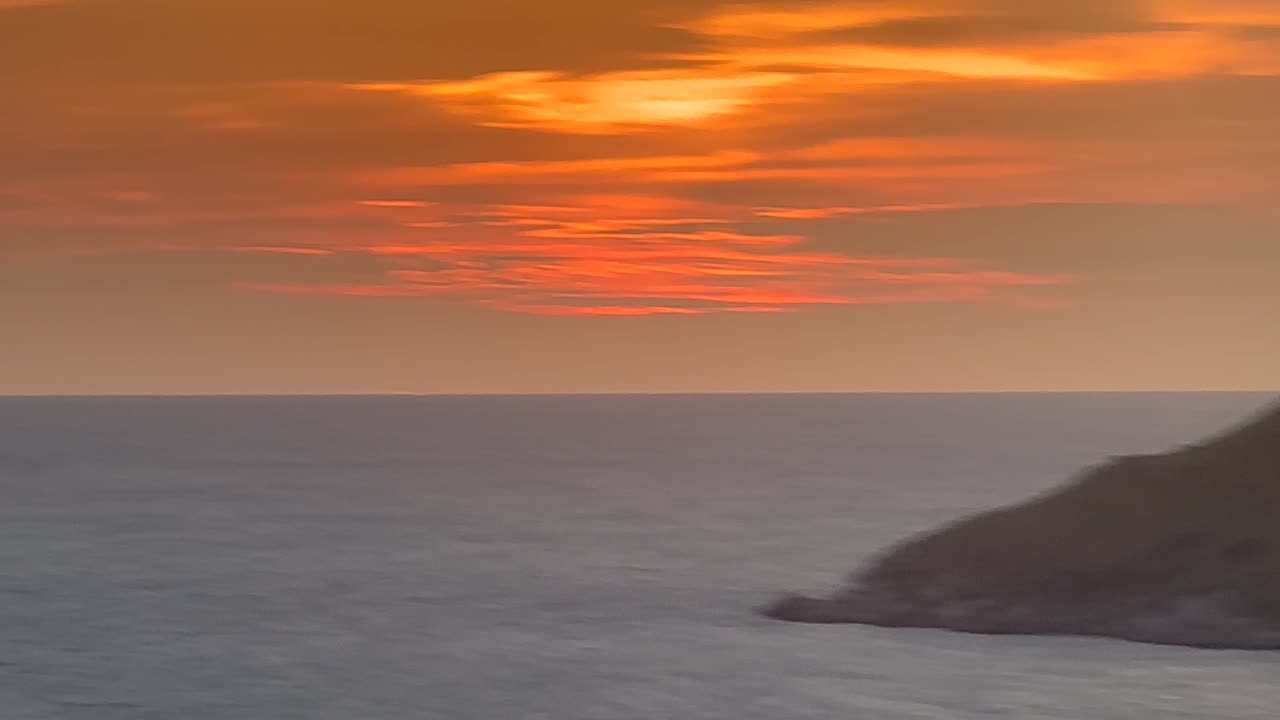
{"type": "Point", "coordinates": [141, 395]}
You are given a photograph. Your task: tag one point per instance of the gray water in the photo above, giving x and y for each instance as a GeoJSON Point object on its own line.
{"type": "Point", "coordinates": [545, 557]}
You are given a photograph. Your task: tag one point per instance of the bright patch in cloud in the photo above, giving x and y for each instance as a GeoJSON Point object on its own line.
{"type": "Point", "coordinates": [761, 57]}
{"type": "Point", "coordinates": [565, 259]}
{"type": "Point", "coordinates": [605, 103]}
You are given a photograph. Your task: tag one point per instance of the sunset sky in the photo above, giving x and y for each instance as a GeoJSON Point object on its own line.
{"type": "Point", "coordinates": [312, 196]}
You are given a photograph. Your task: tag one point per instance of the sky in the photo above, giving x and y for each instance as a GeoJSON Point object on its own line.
{"type": "Point", "coordinates": [511, 196]}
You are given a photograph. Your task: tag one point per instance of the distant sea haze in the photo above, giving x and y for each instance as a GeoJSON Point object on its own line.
{"type": "Point", "coordinates": [567, 557]}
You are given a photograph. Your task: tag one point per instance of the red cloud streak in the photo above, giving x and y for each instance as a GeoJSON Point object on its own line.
{"type": "Point", "coordinates": [580, 260]}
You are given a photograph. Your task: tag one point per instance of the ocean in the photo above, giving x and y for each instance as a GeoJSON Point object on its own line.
{"type": "Point", "coordinates": [554, 557]}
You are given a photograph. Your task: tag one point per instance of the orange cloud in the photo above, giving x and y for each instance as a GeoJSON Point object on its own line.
{"type": "Point", "coordinates": [1185, 37]}
{"type": "Point", "coordinates": [737, 74]}
{"type": "Point", "coordinates": [604, 103]}
{"type": "Point", "coordinates": [285, 250]}
{"type": "Point", "coordinates": [1255, 13]}
{"type": "Point", "coordinates": [394, 203]}
{"type": "Point", "coordinates": [873, 175]}
{"type": "Point", "coordinates": [729, 110]}
{"type": "Point", "coordinates": [916, 148]}
{"type": "Point", "coordinates": [613, 207]}
{"type": "Point", "coordinates": [1169, 53]}
{"type": "Point", "coordinates": [588, 231]}
{"type": "Point", "coordinates": [761, 55]}
{"type": "Point", "coordinates": [748, 38]}
{"type": "Point", "coordinates": [526, 172]}
{"type": "Point", "coordinates": [566, 264]}
{"type": "Point", "coordinates": [955, 63]}
{"type": "Point", "coordinates": [605, 310]}
{"type": "Point", "coordinates": [763, 21]}
{"type": "Point", "coordinates": [852, 160]}
{"type": "Point", "coordinates": [785, 213]}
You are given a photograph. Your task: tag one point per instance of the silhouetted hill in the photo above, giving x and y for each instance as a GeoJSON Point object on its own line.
{"type": "Point", "coordinates": [1177, 548]}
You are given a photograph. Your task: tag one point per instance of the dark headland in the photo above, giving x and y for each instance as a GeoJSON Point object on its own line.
{"type": "Point", "coordinates": [1179, 548]}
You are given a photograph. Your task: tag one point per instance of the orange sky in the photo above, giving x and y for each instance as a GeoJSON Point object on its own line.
{"type": "Point", "coordinates": [670, 195]}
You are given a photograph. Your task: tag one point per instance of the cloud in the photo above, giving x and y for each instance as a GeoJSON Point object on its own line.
{"type": "Point", "coordinates": [781, 20]}
{"type": "Point", "coordinates": [850, 161]}
{"type": "Point", "coordinates": [956, 63]}
{"type": "Point", "coordinates": [991, 39]}
{"type": "Point", "coordinates": [1258, 13]}
{"type": "Point", "coordinates": [286, 250]}
{"type": "Point", "coordinates": [394, 203]}
{"type": "Point", "coordinates": [816, 213]}
{"type": "Point", "coordinates": [560, 286]}
{"type": "Point", "coordinates": [751, 61]}
{"type": "Point", "coordinates": [553, 170]}
{"type": "Point", "coordinates": [603, 103]}
{"type": "Point", "coordinates": [616, 263]}
{"type": "Point", "coordinates": [983, 31]}
{"type": "Point", "coordinates": [692, 156]}
{"type": "Point", "coordinates": [212, 42]}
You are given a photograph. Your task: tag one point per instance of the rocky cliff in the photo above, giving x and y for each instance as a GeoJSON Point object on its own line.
{"type": "Point", "coordinates": [1178, 548]}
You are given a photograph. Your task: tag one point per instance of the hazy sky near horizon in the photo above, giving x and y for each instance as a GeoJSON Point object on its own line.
{"type": "Point", "coordinates": [634, 196]}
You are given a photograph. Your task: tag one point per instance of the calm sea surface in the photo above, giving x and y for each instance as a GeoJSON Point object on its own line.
{"type": "Point", "coordinates": [563, 558]}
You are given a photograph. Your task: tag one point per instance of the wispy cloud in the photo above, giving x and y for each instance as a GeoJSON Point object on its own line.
{"type": "Point", "coordinates": [285, 250]}
{"type": "Point", "coordinates": [817, 213]}
{"type": "Point", "coordinates": [755, 56]}
{"type": "Point", "coordinates": [546, 259]}
{"type": "Point", "coordinates": [613, 168]}
{"type": "Point", "coordinates": [954, 63]}
{"type": "Point", "coordinates": [601, 103]}
{"type": "Point", "coordinates": [687, 176]}
{"type": "Point", "coordinates": [1177, 38]}
{"type": "Point", "coordinates": [849, 160]}
{"type": "Point", "coordinates": [1238, 13]}
{"type": "Point", "coordinates": [773, 21]}
{"type": "Point", "coordinates": [394, 203]}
